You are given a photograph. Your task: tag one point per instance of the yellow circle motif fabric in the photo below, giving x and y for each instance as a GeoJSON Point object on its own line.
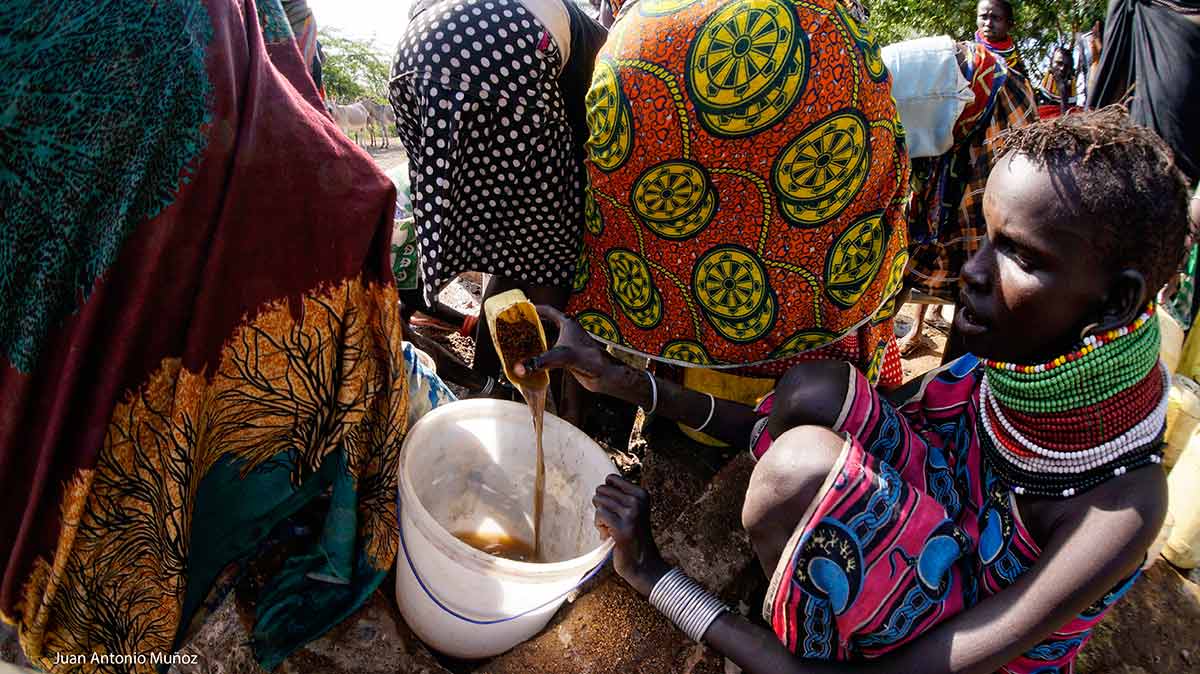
{"type": "Point", "coordinates": [748, 178]}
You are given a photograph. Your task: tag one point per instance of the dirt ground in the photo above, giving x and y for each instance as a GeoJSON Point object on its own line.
{"type": "Point", "coordinates": [926, 353]}
{"type": "Point", "coordinates": [387, 158]}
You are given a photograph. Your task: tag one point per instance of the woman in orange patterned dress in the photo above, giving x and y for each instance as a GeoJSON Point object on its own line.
{"type": "Point", "coordinates": [748, 178]}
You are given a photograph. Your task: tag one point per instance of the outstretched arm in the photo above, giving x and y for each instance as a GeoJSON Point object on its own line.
{"type": "Point", "coordinates": [1099, 540]}
{"type": "Point", "coordinates": [597, 371]}
{"type": "Point", "coordinates": [809, 394]}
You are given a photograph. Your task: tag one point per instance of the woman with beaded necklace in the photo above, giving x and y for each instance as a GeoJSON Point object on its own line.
{"type": "Point", "coordinates": [990, 519]}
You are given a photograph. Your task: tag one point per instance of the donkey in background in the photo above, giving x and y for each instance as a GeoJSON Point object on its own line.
{"type": "Point", "coordinates": [381, 114]}
{"type": "Point", "coordinates": [351, 119]}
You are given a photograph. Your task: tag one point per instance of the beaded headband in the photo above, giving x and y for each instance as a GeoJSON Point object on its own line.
{"type": "Point", "coordinates": [1064, 426]}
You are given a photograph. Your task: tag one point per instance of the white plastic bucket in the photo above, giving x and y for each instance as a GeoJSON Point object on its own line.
{"type": "Point", "coordinates": [469, 466]}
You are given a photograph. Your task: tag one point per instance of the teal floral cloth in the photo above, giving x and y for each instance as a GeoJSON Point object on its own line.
{"type": "Point", "coordinates": [404, 233]}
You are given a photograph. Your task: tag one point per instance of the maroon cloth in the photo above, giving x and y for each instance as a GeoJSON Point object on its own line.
{"type": "Point", "coordinates": [277, 204]}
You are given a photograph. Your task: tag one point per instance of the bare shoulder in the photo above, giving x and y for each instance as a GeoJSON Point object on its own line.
{"type": "Point", "coordinates": [1143, 491]}
{"type": "Point", "coordinates": [1127, 511]}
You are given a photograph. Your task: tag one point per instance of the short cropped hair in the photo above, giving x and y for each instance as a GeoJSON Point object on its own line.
{"type": "Point", "coordinates": [1124, 178]}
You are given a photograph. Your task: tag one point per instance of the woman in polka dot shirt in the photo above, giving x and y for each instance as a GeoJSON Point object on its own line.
{"type": "Point", "coordinates": [489, 104]}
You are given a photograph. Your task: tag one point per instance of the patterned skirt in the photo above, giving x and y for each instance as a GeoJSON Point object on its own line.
{"type": "Point", "coordinates": [748, 177]}
{"type": "Point", "coordinates": [199, 336]}
{"type": "Point", "coordinates": [911, 528]}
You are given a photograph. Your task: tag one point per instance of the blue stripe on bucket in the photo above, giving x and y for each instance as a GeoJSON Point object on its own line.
{"type": "Point", "coordinates": [404, 546]}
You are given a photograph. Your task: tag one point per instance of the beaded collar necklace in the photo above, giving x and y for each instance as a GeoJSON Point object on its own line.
{"type": "Point", "coordinates": [1006, 48]}
{"type": "Point", "coordinates": [1064, 426]}
{"type": "Point", "coordinates": [1005, 45]}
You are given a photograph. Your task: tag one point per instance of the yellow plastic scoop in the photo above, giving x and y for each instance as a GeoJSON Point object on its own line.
{"type": "Point", "coordinates": [518, 335]}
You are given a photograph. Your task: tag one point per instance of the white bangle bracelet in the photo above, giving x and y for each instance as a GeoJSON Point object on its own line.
{"type": "Point", "coordinates": [712, 408]}
{"type": "Point", "coordinates": [653, 393]}
{"type": "Point", "coordinates": [686, 603]}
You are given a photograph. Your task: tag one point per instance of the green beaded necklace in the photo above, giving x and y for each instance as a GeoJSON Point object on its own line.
{"type": "Point", "coordinates": [1064, 426]}
{"type": "Point", "coordinates": [1100, 367]}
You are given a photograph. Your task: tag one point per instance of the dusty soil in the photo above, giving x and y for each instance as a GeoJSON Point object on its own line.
{"type": "Point", "coordinates": [926, 353]}
{"type": "Point", "coordinates": [387, 158]}
{"type": "Point", "coordinates": [1155, 628]}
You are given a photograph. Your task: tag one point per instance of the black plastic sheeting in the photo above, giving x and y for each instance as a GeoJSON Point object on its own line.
{"type": "Point", "coordinates": [1153, 46]}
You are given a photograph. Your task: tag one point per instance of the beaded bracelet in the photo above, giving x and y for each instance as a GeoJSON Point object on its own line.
{"type": "Point", "coordinates": [686, 603]}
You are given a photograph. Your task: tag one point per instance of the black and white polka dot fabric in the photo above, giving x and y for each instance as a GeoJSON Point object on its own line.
{"type": "Point", "coordinates": [495, 185]}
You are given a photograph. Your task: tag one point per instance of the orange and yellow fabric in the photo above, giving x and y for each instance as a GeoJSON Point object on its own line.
{"type": "Point", "coordinates": [748, 182]}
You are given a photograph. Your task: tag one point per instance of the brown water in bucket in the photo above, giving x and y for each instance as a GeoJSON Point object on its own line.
{"type": "Point", "coordinates": [499, 545]}
{"type": "Point", "coordinates": [518, 341]}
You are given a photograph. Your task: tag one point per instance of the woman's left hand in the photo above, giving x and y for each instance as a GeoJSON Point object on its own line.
{"type": "Point", "coordinates": [623, 512]}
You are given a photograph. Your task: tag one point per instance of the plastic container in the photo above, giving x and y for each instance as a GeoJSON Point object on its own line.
{"type": "Point", "coordinates": [1183, 416]}
{"type": "Point", "coordinates": [1183, 484]}
{"type": "Point", "coordinates": [469, 467]}
{"type": "Point", "coordinates": [1189, 359]}
{"type": "Point", "coordinates": [1171, 349]}
{"type": "Point", "coordinates": [425, 359]}
{"type": "Point", "coordinates": [930, 92]}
